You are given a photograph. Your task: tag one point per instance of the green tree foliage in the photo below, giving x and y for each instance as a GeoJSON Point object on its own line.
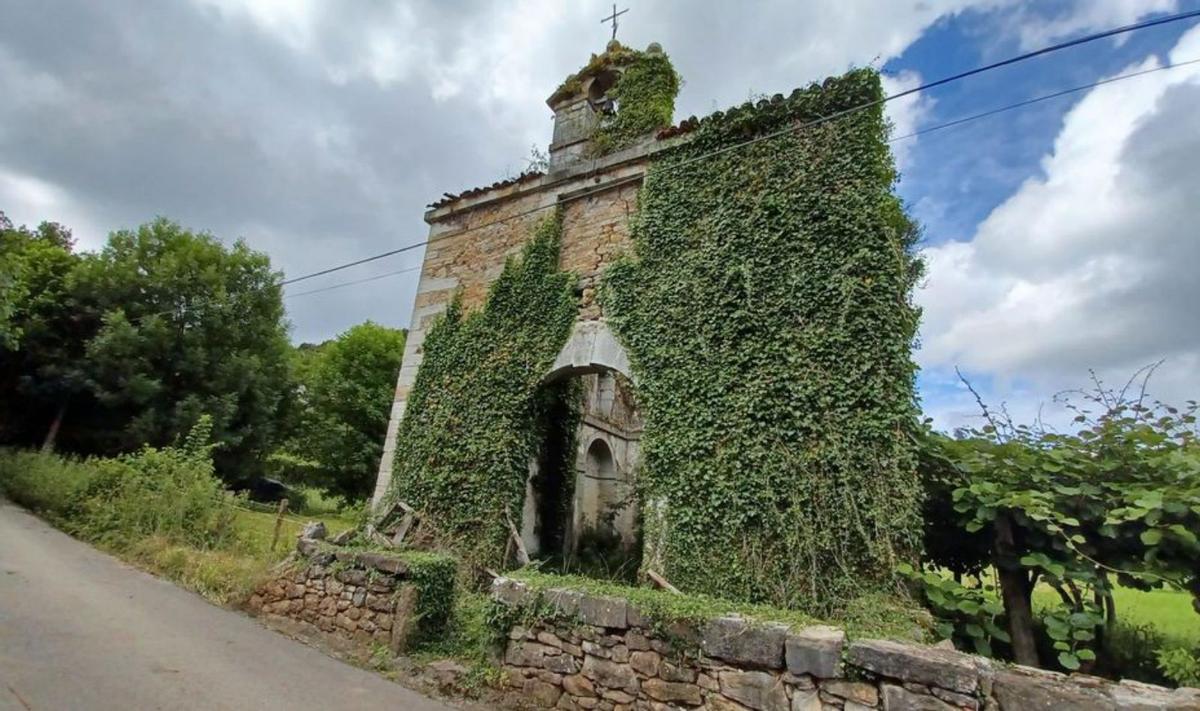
{"type": "Point", "coordinates": [471, 426]}
{"type": "Point", "coordinates": [1117, 501]}
{"type": "Point", "coordinates": [768, 318]}
{"type": "Point", "coordinates": [40, 356]}
{"type": "Point", "coordinates": [189, 327]}
{"type": "Point", "coordinates": [343, 400]}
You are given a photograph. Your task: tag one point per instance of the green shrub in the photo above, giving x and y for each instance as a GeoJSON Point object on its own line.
{"type": "Point", "coordinates": [167, 492]}
{"type": "Point", "coordinates": [171, 493]}
{"type": "Point", "coordinates": [1180, 665]}
{"type": "Point", "coordinates": [43, 483]}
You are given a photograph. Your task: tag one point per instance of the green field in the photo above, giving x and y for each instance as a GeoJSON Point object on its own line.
{"type": "Point", "coordinates": [1167, 611]}
{"type": "Point", "coordinates": [256, 530]}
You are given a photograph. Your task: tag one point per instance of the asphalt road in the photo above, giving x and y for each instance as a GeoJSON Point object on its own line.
{"type": "Point", "coordinates": [82, 630]}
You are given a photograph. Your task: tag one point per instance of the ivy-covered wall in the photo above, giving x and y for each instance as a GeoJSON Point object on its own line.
{"type": "Point", "coordinates": [768, 317]}
{"type": "Point", "coordinates": [476, 415]}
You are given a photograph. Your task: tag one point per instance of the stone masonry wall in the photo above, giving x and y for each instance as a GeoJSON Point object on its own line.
{"type": "Point", "coordinates": [470, 239]}
{"type": "Point", "coordinates": [603, 654]}
{"type": "Point", "coordinates": [357, 599]}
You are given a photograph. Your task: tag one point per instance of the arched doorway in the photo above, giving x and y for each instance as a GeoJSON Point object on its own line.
{"type": "Point", "coordinates": [581, 512]}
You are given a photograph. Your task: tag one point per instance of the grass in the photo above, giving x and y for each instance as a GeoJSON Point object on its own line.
{"type": "Point", "coordinates": [862, 617]}
{"type": "Point", "coordinates": [1168, 612]}
{"type": "Point", "coordinates": [256, 529]}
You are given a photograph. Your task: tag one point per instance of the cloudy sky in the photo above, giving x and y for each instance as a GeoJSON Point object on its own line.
{"type": "Point", "coordinates": [1059, 238]}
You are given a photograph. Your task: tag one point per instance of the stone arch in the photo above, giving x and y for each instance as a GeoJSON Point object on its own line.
{"type": "Point", "coordinates": [600, 472]}
{"type": "Point", "coordinates": [592, 348]}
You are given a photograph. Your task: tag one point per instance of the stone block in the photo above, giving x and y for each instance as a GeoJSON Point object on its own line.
{"type": "Point", "coordinates": [736, 640]}
{"type": "Point", "coordinates": [560, 663]}
{"type": "Point", "coordinates": [672, 691]}
{"type": "Point", "coordinates": [645, 663]}
{"type": "Point", "coordinates": [862, 693]}
{"type": "Point", "coordinates": [527, 654]}
{"type": "Point", "coordinates": [383, 563]}
{"type": "Point", "coordinates": [1030, 690]}
{"type": "Point", "coordinates": [806, 700]}
{"type": "Point", "coordinates": [603, 611]}
{"type": "Point", "coordinates": [955, 671]}
{"type": "Point", "coordinates": [564, 602]}
{"type": "Point", "coordinates": [541, 693]}
{"type": "Point", "coordinates": [610, 674]}
{"type": "Point", "coordinates": [509, 592]}
{"type": "Point", "coordinates": [670, 672]}
{"type": "Point", "coordinates": [816, 651]}
{"type": "Point", "coordinates": [755, 689]}
{"type": "Point", "coordinates": [578, 685]}
{"type": "Point", "coordinates": [404, 618]}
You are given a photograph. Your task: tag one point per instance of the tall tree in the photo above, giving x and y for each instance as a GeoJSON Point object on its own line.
{"type": "Point", "coordinates": [41, 331]}
{"type": "Point", "coordinates": [344, 396]}
{"type": "Point", "coordinates": [189, 327]}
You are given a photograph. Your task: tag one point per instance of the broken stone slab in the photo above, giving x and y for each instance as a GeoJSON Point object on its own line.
{"type": "Point", "coordinates": [603, 611]}
{"type": "Point", "coordinates": [955, 671]}
{"type": "Point", "coordinates": [736, 640]}
{"type": "Point", "coordinates": [816, 651]}
{"type": "Point", "coordinates": [314, 530]}
{"type": "Point", "coordinates": [512, 593]}
{"type": "Point", "coordinates": [343, 538]}
{"type": "Point", "coordinates": [382, 562]}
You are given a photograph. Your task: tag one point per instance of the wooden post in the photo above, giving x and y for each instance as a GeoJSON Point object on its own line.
{"type": "Point", "coordinates": [283, 507]}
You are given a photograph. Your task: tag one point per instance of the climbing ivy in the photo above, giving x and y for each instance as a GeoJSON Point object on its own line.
{"type": "Point", "coordinates": [767, 313]}
{"type": "Point", "coordinates": [645, 100]}
{"type": "Point", "coordinates": [476, 414]}
{"type": "Point", "coordinates": [644, 94]}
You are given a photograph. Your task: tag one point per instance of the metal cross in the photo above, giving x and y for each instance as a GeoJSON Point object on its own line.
{"type": "Point", "coordinates": [614, 17]}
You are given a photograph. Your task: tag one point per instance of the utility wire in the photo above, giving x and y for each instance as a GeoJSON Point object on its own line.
{"type": "Point", "coordinates": [352, 283]}
{"type": "Point", "coordinates": [816, 122]}
{"type": "Point", "coordinates": [894, 139]}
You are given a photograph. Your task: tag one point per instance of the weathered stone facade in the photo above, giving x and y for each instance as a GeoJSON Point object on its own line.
{"type": "Point", "coordinates": [471, 234]}
{"type": "Point", "coordinates": [352, 599]}
{"type": "Point", "coordinates": [604, 654]}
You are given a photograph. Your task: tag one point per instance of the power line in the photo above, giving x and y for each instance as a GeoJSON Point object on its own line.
{"type": "Point", "coordinates": [1039, 99]}
{"type": "Point", "coordinates": [352, 283]}
{"type": "Point", "coordinates": [894, 139]}
{"type": "Point", "coordinates": [816, 122]}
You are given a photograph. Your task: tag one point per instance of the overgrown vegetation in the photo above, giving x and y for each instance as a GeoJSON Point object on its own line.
{"type": "Point", "coordinates": [131, 345]}
{"type": "Point", "coordinates": [1114, 505]}
{"type": "Point", "coordinates": [767, 314]}
{"type": "Point", "coordinates": [642, 96]}
{"type": "Point", "coordinates": [338, 414]}
{"type": "Point", "coordinates": [872, 615]}
{"type": "Point", "coordinates": [163, 508]}
{"type": "Point", "coordinates": [471, 424]}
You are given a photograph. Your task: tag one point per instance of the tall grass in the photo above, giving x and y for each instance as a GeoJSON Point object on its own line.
{"type": "Point", "coordinates": [161, 508]}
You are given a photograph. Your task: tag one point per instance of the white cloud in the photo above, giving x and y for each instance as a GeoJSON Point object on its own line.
{"type": "Point", "coordinates": [906, 113]}
{"type": "Point", "coordinates": [1092, 263]}
{"type": "Point", "coordinates": [1088, 16]}
{"type": "Point", "coordinates": [27, 200]}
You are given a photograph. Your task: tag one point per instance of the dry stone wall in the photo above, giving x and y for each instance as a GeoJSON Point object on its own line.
{"type": "Point", "coordinates": [602, 653]}
{"type": "Point", "coordinates": [357, 599]}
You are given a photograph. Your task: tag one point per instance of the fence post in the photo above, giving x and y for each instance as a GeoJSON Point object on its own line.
{"type": "Point", "coordinates": [283, 507]}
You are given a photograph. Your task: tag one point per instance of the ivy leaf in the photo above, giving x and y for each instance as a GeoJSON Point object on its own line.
{"type": "Point", "coordinates": [1068, 660]}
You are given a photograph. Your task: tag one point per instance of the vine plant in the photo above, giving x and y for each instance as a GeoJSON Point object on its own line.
{"type": "Point", "coordinates": [475, 416]}
{"type": "Point", "coordinates": [767, 314]}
